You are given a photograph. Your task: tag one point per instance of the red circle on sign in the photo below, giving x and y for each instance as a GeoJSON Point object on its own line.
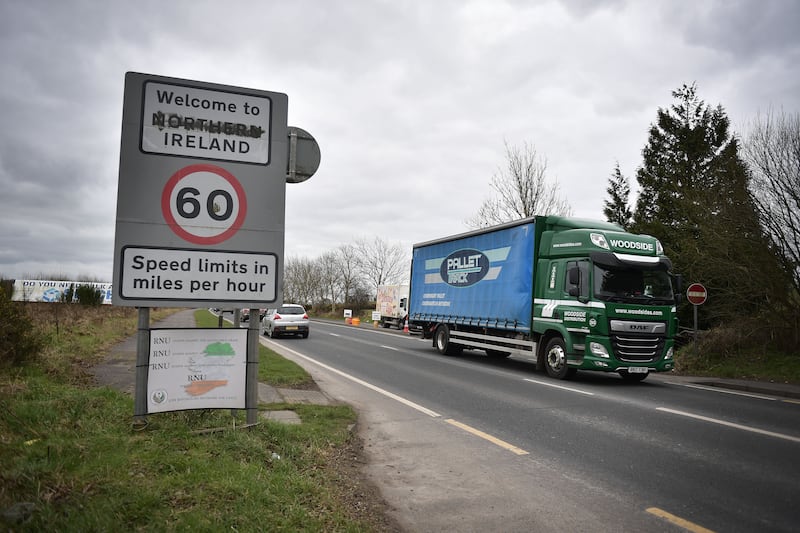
{"type": "Point", "coordinates": [696, 294]}
{"type": "Point", "coordinates": [180, 231]}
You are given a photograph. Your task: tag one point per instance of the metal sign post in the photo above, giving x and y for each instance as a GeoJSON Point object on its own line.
{"type": "Point", "coordinates": [251, 388]}
{"type": "Point", "coordinates": [142, 361]}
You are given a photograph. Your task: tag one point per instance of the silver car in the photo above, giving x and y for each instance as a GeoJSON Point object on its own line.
{"type": "Point", "coordinates": [289, 319]}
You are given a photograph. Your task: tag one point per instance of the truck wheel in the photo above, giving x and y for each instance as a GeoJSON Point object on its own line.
{"type": "Point", "coordinates": [441, 341]}
{"type": "Point", "coordinates": [555, 359]}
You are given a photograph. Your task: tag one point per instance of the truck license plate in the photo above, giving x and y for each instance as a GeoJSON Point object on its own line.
{"type": "Point", "coordinates": [638, 370]}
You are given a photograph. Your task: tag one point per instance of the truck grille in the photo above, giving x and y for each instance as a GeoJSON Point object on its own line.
{"type": "Point", "coordinates": [637, 348]}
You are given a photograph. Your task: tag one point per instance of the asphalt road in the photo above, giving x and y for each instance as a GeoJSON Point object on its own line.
{"type": "Point", "coordinates": [475, 444]}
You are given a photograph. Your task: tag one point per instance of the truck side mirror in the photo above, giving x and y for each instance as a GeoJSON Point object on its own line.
{"type": "Point", "coordinates": [574, 280]}
{"type": "Point", "coordinates": [678, 280]}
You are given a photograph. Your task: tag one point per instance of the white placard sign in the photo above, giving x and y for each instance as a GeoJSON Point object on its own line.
{"type": "Point", "coordinates": [196, 369]}
{"type": "Point", "coordinates": [177, 274]}
{"type": "Point", "coordinates": [194, 122]}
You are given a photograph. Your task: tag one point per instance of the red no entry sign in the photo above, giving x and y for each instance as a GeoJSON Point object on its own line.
{"type": "Point", "coordinates": [696, 294]}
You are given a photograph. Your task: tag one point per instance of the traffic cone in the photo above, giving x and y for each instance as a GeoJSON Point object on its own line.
{"type": "Point", "coordinates": [405, 326]}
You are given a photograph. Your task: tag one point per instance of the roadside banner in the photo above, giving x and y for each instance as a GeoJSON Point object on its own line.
{"type": "Point", "coordinates": [40, 290]}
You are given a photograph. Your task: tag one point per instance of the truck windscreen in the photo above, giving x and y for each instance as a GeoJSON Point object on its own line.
{"type": "Point", "coordinates": [627, 284]}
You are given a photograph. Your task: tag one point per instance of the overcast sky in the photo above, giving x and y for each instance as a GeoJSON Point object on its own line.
{"type": "Point", "coordinates": [410, 102]}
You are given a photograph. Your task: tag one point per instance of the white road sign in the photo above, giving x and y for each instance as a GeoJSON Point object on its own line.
{"type": "Point", "coordinates": [175, 274]}
{"type": "Point", "coordinates": [204, 204]}
{"type": "Point", "coordinates": [194, 122]}
{"type": "Point", "coordinates": [201, 195]}
{"type": "Point", "coordinates": [196, 369]}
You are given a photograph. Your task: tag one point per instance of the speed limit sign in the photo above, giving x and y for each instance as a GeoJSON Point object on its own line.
{"type": "Point", "coordinates": [201, 198]}
{"type": "Point", "coordinates": [204, 204]}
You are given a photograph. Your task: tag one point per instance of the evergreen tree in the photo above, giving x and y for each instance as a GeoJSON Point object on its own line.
{"type": "Point", "coordinates": [616, 207]}
{"type": "Point", "coordinates": [695, 198]}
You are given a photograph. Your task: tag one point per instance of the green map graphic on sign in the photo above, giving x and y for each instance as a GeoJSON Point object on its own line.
{"type": "Point", "coordinates": [219, 348]}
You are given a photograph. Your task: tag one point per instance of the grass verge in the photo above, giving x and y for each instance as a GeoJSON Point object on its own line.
{"type": "Point", "coordinates": [749, 364]}
{"type": "Point", "coordinates": [70, 460]}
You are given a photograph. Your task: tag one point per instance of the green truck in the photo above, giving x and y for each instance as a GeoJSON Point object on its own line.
{"type": "Point", "coordinates": [568, 293]}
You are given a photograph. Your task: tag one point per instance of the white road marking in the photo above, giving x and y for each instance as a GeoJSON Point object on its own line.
{"type": "Point", "coordinates": [728, 391]}
{"type": "Point", "coordinates": [367, 330]}
{"type": "Point", "coordinates": [390, 348]}
{"type": "Point", "coordinates": [409, 403]}
{"type": "Point", "coordinates": [729, 424]}
{"type": "Point", "coordinates": [363, 383]}
{"type": "Point", "coordinates": [562, 387]}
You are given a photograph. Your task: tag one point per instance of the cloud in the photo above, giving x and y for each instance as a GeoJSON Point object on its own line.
{"type": "Point", "coordinates": [411, 102]}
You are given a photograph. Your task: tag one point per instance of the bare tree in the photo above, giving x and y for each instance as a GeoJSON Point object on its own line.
{"type": "Point", "coordinates": [772, 148]}
{"type": "Point", "coordinates": [330, 278]}
{"type": "Point", "coordinates": [301, 280]}
{"type": "Point", "coordinates": [347, 262]}
{"type": "Point", "coordinates": [521, 190]}
{"type": "Point", "coordinates": [381, 263]}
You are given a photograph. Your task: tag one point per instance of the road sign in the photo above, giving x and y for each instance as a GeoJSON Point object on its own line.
{"type": "Point", "coordinates": [696, 294]}
{"type": "Point", "coordinates": [304, 155]}
{"type": "Point", "coordinates": [184, 119]}
{"type": "Point", "coordinates": [196, 368]}
{"type": "Point", "coordinates": [204, 204]}
{"type": "Point", "coordinates": [201, 195]}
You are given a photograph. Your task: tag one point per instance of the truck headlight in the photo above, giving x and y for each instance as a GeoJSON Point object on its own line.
{"type": "Point", "coordinates": [669, 353]}
{"type": "Point", "coordinates": [598, 349]}
{"type": "Point", "coordinates": [599, 240]}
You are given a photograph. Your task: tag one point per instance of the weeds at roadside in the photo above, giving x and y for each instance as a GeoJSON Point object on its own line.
{"type": "Point", "coordinates": [753, 365]}
{"type": "Point", "coordinates": [71, 461]}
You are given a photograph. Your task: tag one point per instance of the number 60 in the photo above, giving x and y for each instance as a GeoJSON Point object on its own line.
{"type": "Point", "coordinates": [189, 206]}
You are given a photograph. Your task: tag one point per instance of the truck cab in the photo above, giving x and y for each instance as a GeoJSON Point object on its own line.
{"type": "Point", "coordinates": [391, 302]}
{"type": "Point", "coordinates": [605, 300]}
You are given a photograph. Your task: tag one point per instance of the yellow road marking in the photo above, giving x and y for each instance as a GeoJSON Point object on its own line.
{"type": "Point", "coordinates": [486, 436]}
{"type": "Point", "coordinates": [678, 521]}
{"type": "Point", "coordinates": [791, 401]}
